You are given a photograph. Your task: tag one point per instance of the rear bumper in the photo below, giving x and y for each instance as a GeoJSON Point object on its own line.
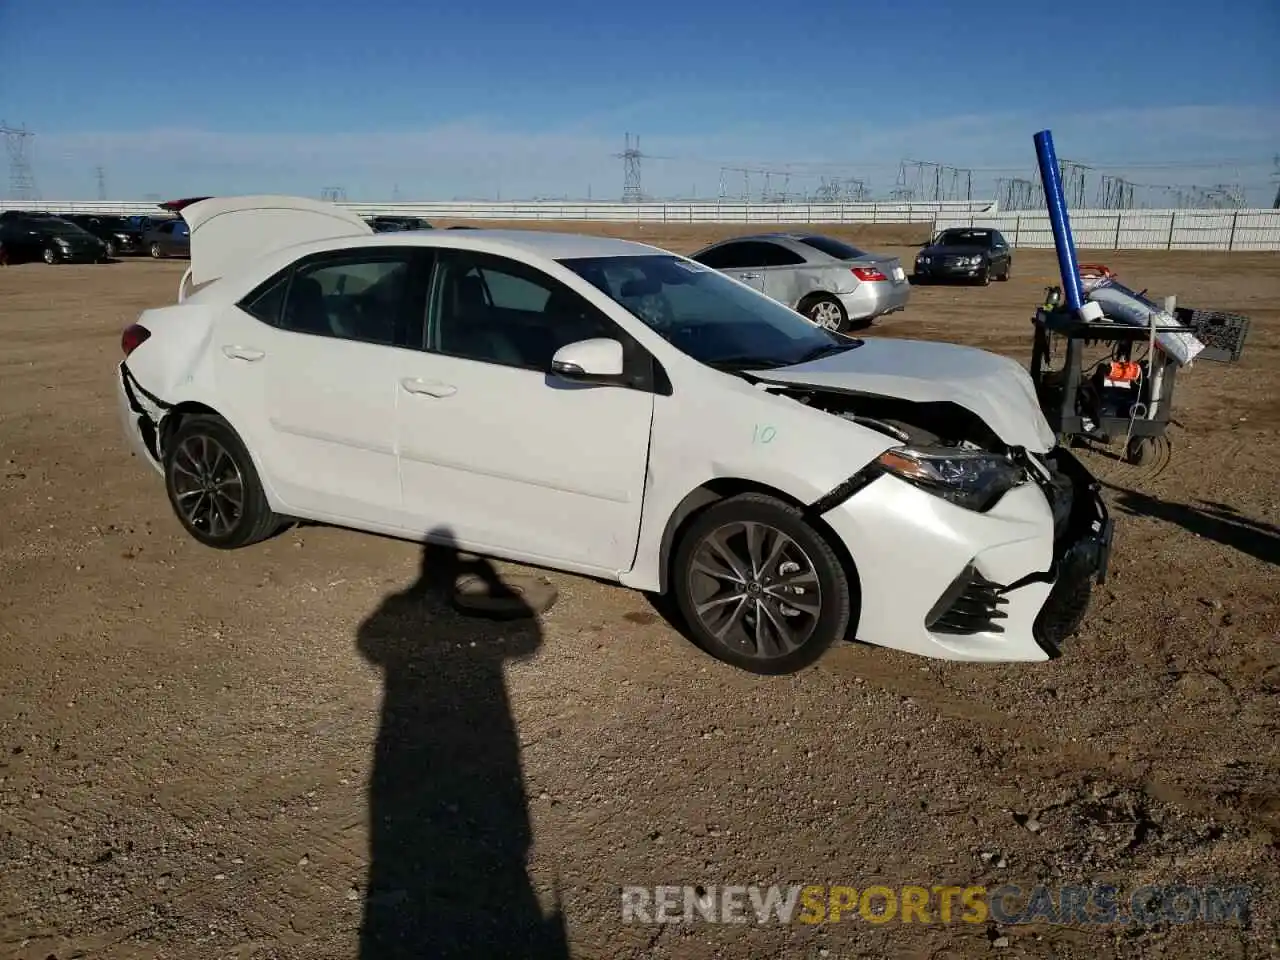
{"type": "Point", "coordinates": [944, 582]}
{"type": "Point", "coordinates": [137, 422]}
{"type": "Point", "coordinates": [876, 298]}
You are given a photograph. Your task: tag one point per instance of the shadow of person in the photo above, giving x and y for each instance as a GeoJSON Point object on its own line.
{"type": "Point", "coordinates": [449, 827]}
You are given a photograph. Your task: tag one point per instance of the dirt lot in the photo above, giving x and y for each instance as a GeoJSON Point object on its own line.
{"type": "Point", "coordinates": [188, 738]}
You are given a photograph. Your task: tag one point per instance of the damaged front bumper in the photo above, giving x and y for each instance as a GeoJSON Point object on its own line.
{"type": "Point", "coordinates": [1010, 584]}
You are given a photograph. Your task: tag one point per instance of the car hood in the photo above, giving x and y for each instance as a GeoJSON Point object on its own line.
{"type": "Point", "coordinates": [988, 385]}
{"type": "Point", "coordinates": [954, 251]}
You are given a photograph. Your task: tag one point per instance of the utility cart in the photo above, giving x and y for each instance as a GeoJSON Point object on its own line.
{"type": "Point", "coordinates": [1112, 382]}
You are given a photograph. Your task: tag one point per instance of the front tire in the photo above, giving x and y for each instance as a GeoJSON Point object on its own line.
{"type": "Point", "coordinates": [156, 253]}
{"type": "Point", "coordinates": [213, 485]}
{"type": "Point", "coordinates": [1004, 274]}
{"type": "Point", "coordinates": [827, 312]}
{"type": "Point", "coordinates": [758, 587]}
{"type": "Point", "coordinates": [50, 255]}
{"type": "Point", "coordinates": [111, 250]}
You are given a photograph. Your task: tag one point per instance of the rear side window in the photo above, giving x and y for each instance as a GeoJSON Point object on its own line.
{"type": "Point", "coordinates": [776, 255]}
{"type": "Point", "coordinates": [834, 248]}
{"type": "Point", "coordinates": [266, 302]}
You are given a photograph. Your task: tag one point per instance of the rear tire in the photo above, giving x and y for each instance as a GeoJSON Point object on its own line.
{"type": "Point", "coordinates": [214, 487]}
{"type": "Point", "coordinates": [792, 601]}
{"type": "Point", "coordinates": [826, 311]}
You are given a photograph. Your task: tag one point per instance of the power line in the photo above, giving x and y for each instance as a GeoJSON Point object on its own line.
{"type": "Point", "coordinates": [102, 182]}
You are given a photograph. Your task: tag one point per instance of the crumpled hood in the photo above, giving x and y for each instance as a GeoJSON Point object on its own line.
{"type": "Point", "coordinates": [993, 387]}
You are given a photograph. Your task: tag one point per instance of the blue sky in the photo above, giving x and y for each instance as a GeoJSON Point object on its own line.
{"type": "Point", "coordinates": [517, 99]}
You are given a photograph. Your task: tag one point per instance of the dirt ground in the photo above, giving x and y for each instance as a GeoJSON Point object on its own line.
{"type": "Point", "coordinates": [205, 754]}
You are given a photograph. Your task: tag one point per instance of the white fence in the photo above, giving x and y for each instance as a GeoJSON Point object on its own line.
{"type": "Point", "coordinates": [676, 211]}
{"type": "Point", "coordinates": [1093, 229]}
{"type": "Point", "coordinates": [1136, 229]}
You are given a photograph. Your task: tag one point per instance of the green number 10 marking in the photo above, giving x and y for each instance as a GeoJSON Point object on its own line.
{"type": "Point", "coordinates": [763, 434]}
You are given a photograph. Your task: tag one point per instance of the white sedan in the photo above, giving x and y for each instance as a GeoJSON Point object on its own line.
{"type": "Point", "coordinates": [612, 409]}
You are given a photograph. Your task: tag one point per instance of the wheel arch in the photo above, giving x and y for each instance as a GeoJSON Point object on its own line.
{"type": "Point", "coordinates": [812, 296]}
{"type": "Point", "coordinates": [722, 488]}
{"type": "Point", "coordinates": [184, 409]}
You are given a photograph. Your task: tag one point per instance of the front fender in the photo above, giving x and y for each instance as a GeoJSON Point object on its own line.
{"type": "Point", "coordinates": [752, 439]}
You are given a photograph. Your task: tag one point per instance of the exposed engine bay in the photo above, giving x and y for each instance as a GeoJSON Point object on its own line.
{"type": "Point", "coordinates": [935, 424]}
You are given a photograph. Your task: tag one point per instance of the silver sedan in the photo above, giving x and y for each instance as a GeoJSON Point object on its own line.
{"type": "Point", "coordinates": [831, 282]}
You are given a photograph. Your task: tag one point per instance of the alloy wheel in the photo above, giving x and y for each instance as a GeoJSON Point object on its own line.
{"type": "Point", "coordinates": [755, 589]}
{"type": "Point", "coordinates": [826, 314]}
{"type": "Point", "coordinates": [207, 484]}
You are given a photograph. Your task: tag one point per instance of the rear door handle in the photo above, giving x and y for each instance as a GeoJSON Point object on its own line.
{"type": "Point", "coordinates": [429, 388]}
{"type": "Point", "coordinates": [236, 352]}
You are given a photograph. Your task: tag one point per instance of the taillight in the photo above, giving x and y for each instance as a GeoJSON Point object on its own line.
{"type": "Point", "coordinates": [134, 336]}
{"type": "Point", "coordinates": [868, 273]}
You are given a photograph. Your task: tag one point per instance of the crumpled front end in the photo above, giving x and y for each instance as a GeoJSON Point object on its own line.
{"type": "Point", "coordinates": [1011, 583]}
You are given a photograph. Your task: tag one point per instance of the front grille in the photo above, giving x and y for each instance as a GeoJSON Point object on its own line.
{"type": "Point", "coordinates": [954, 262]}
{"type": "Point", "coordinates": [972, 604]}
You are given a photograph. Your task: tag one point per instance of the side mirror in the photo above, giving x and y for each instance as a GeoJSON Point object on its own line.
{"type": "Point", "coordinates": [589, 360]}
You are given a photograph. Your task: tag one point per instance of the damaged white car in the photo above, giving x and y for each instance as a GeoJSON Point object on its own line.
{"type": "Point", "coordinates": [612, 409]}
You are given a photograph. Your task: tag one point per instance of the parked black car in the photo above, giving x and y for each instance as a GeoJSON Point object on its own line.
{"type": "Point", "coordinates": [120, 234]}
{"type": "Point", "coordinates": [39, 236]}
{"type": "Point", "coordinates": [965, 253]}
{"type": "Point", "coordinates": [168, 238]}
{"type": "Point", "coordinates": [396, 224]}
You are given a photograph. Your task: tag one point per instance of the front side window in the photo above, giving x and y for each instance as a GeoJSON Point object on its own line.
{"type": "Point", "coordinates": [497, 310]}
{"type": "Point", "coordinates": [708, 316]}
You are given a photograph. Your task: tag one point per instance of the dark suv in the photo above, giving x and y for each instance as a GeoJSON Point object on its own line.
{"type": "Point", "coordinates": [40, 236]}
{"type": "Point", "coordinates": [965, 253]}
{"type": "Point", "coordinates": [120, 234]}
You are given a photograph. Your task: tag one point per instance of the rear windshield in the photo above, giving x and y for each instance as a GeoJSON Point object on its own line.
{"type": "Point", "coordinates": [834, 248]}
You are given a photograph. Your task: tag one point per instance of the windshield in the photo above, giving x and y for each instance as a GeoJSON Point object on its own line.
{"type": "Point", "coordinates": [704, 314]}
{"type": "Point", "coordinates": [834, 248]}
{"type": "Point", "coordinates": [964, 238]}
{"type": "Point", "coordinates": [57, 227]}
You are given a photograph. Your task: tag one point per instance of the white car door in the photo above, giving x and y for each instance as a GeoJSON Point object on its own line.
{"type": "Point", "coordinates": [500, 452]}
{"type": "Point", "coordinates": [308, 372]}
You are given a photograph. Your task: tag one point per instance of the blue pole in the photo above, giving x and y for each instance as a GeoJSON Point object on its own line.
{"type": "Point", "coordinates": [1051, 177]}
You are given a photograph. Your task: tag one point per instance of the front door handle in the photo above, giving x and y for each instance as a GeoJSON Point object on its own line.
{"type": "Point", "coordinates": [236, 352]}
{"type": "Point", "coordinates": [429, 388]}
{"type": "Point", "coordinates": [750, 276]}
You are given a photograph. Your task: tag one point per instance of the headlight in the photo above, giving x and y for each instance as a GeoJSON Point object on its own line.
{"type": "Point", "coordinates": [62, 242]}
{"type": "Point", "coordinates": [923, 258]}
{"type": "Point", "coordinates": [971, 479]}
{"type": "Point", "coordinates": [975, 260]}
